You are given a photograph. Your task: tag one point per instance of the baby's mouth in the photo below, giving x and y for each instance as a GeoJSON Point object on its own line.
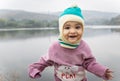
{"type": "Point", "coordinates": [72, 36]}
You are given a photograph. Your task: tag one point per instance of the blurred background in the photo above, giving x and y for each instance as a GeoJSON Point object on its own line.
{"type": "Point", "coordinates": [27, 28]}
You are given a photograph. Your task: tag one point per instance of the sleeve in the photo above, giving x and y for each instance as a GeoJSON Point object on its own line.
{"type": "Point", "coordinates": [92, 65]}
{"type": "Point", "coordinates": [35, 69]}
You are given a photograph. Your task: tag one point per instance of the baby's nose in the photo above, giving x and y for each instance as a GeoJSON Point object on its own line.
{"type": "Point", "coordinates": [72, 30]}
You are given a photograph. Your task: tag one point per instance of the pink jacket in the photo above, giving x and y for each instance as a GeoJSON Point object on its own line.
{"type": "Point", "coordinates": [70, 64]}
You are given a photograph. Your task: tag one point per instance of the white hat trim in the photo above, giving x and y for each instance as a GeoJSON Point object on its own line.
{"type": "Point", "coordinates": [65, 18]}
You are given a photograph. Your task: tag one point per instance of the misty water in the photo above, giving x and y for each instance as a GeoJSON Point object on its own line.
{"type": "Point", "coordinates": [20, 48]}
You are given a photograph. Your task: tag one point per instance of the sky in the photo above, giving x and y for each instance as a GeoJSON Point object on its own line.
{"type": "Point", "coordinates": [60, 5]}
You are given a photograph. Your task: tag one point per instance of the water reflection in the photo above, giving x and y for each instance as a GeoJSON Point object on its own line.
{"type": "Point", "coordinates": [16, 55]}
{"type": "Point", "coordinates": [23, 34]}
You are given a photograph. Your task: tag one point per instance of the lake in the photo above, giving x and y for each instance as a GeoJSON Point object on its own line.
{"type": "Point", "coordinates": [19, 48]}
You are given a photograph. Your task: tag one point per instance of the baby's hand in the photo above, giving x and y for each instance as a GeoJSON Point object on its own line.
{"type": "Point", "coordinates": [109, 74]}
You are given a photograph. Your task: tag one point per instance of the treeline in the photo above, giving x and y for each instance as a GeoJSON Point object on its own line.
{"type": "Point", "coordinates": [30, 23]}
{"type": "Point", "coordinates": [115, 20]}
{"type": "Point", "coordinates": [26, 23]}
{"type": "Point", "coordinates": [112, 21]}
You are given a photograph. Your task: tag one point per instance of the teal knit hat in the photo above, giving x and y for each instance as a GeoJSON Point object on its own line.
{"type": "Point", "coordinates": [74, 10]}
{"type": "Point", "coordinates": [70, 14]}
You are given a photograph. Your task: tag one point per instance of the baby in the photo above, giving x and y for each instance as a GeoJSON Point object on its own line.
{"type": "Point", "coordinates": [70, 55]}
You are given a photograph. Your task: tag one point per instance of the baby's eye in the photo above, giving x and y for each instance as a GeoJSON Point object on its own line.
{"type": "Point", "coordinates": [78, 27]}
{"type": "Point", "coordinates": [67, 27]}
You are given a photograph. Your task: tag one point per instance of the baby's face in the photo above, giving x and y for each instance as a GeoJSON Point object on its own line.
{"type": "Point", "coordinates": [72, 31]}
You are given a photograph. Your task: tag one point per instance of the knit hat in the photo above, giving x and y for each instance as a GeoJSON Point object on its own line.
{"type": "Point", "coordinates": [70, 14]}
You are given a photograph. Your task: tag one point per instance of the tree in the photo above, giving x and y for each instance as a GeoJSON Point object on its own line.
{"type": "Point", "coordinates": [2, 22]}
{"type": "Point", "coordinates": [115, 20]}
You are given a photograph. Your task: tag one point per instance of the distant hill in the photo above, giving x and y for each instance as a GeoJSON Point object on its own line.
{"type": "Point", "coordinates": [20, 15]}
{"type": "Point", "coordinates": [97, 17]}
{"type": "Point", "coordinates": [91, 17]}
{"type": "Point", "coordinates": [115, 20]}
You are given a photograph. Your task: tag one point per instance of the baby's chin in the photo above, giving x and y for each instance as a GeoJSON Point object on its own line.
{"type": "Point", "coordinates": [71, 40]}
{"type": "Point", "coordinates": [74, 41]}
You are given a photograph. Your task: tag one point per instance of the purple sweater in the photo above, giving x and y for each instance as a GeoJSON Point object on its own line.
{"type": "Point", "coordinates": [69, 64]}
